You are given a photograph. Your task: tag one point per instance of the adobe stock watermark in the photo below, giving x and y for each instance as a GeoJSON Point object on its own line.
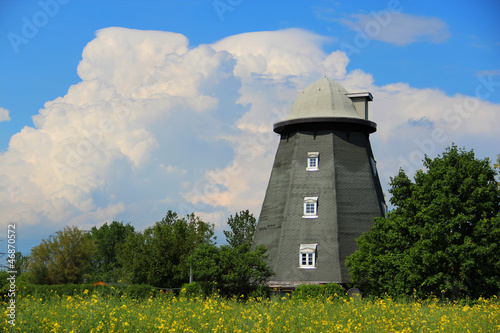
{"type": "Point", "coordinates": [454, 116]}
{"type": "Point", "coordinates": [372, 28]}
{"type": "Point", "coordinates": [11, 280]}
{"type": "Point", "coordinates": [222, 6]}
{"type": "Point", "coordinates": [30, 26]}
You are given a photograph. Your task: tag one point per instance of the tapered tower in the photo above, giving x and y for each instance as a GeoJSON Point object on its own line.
{"type": "Point", "coordinates": [324, 190]}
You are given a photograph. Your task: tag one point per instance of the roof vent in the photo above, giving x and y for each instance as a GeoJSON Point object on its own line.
{"type": "Point", "coordinates": [360, 101]}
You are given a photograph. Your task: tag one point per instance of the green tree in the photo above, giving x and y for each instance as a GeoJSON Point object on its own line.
{"type": "Point", "coordinates": [21, 263]}
{"type": "Point", "coordinates": [158, 256]}
{"type": "Point", "coordinates": [234, 268]}
{"type": "Point", "coordinates": [234, 271]}
{"type": "Point", "coordinates": [442, 236]}
{"type": "Point", "coordinates": [105, 265]}
{"type": "Point", "coordinates": [64, 258]}
{"type": "Point", "coordinates": [133, 256]}
{"type": "Point", "coordinates": [242, 229]}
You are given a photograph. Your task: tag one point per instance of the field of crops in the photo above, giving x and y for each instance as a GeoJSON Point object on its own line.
{"type": "Point", "coordinates": [95, 313]}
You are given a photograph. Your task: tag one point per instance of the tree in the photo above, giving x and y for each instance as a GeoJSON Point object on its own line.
{"type": "Point", "coordinates": [158, 256]}
{"type": "Point", "coordinates": [65, 258]}
{"type": "Point", "coordinates": [235, 270]}
{"type": "Point", "coordinates": [242, 229]}
{"type": "Point", "coordinates": [443, 235]}
{"type": "Point", "coordinates": [105, 265]}
{"type": "Point", "coordinates": [21, 263]}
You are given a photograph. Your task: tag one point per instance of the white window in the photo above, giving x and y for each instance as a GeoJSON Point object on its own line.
{"type": "Point", "coordinates": [307, 255]}
{"type": "Point", "coordinates": [310, 208]}
{"type": "Point", "coordinates": [312, 161]}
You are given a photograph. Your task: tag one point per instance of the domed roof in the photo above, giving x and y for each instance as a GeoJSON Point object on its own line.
{"type": "Point", "coordinates": [325, 104]}
{"type": "Point", "coordinates": [323, 98]}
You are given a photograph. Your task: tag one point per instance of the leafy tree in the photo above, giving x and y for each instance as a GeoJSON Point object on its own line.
{"type": "Point", "coordinates": [234, 271]}
{"type": "Point", "coordinates": [443, 235]}
{"type": "Point", "coordinates": [242, 229]}
{"type": "Point", "coordinates": [105, 264]}
{"type": "Point", "coordinates": [65, 258]}
{"type": "Point", "coordinates": [244, 270]}
{"type": "Point", "coordinates": [21, 263]}
{"type": "Point", "coordinates": [158, 256]}
{"type": "Point", "coordinates": [234, 268]}
{"type": "Point", "coordinates": [133, 256]}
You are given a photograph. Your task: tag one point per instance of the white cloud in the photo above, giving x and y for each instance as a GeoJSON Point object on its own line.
{"type": "Point", "coordinates": [108, 57]}
{"type": "Point", "coordinates": [4, 114]}
{"type": "Point", "coordinates": [282, 55]}
{"type": "Point", "coordinates": [398, 28]}
{"type": "Point", "coordinates": [93, 153]}
{"type": "Point", "coordinates": [155, 125]}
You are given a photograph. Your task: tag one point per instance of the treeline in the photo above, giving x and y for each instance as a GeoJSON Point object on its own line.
{"type": "Point", "coordinates": [442, 237]}
{"type": "Point", "coordinates": [166, 255]}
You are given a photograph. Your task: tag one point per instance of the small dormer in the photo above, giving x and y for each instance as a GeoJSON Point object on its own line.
{"type": "Point", "coordinates": [360, 101]}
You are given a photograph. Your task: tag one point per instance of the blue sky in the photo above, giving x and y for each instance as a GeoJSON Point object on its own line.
{"type": "Point", "coordinates": [121, 110]}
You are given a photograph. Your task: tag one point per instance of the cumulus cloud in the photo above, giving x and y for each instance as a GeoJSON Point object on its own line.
{"type": "Point", "coordinates": [398, 28]}
{"type": "Point", "coordinates": [104, 58]}
{"type": "Point", "coordinates": [4, 114]}
{"type": "Point", "coordinates": [157, 125]}
{"type": "Point", "coordinates": [145, 102]}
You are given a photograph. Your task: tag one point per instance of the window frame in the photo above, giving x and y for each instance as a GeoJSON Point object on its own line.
{"type": "Point", "coordinates": [312, 156]}
{"type": "Point", "coordinates": [308, 201]}
{"type": "Point", "coordinates": [307, 252]}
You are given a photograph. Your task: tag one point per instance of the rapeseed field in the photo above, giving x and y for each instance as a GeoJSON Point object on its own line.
{"type": "Point", "coordinates": [96, 313]}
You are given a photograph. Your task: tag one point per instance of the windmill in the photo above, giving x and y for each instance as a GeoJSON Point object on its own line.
{"type": "Point", "coordinates": [324, 189]}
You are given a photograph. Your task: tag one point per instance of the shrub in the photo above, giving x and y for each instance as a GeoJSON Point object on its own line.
{"type": "Point", "coordinates": [260, 292]}
{"type": "Point", "coordinates": [306, 291]}
{"type": "Point", "coordinates": [334, 290]}
{"type": "Point", "coordinates": [192, 290]}
{"type": "Point", "coordinates": [138, 291]}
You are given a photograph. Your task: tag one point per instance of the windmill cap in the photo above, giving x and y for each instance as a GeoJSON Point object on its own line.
{"type": "Point", "coordinates": [323, 98]}
{"type": "Point", "coordinates": [326, 104]}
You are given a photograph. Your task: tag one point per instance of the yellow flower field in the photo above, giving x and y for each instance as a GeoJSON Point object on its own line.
{"type": "Point", "coordinates": [165, 314]}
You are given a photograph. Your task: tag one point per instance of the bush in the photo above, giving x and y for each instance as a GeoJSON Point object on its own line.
{"type": "Point", "coordinates": [307, 291]}
{"type": "Point", "coordinates": [138, 291]}
{"type": "Point", "coordinates": [260, 292]}
{"type": "Point", "coordinates": [334, 290]}
{"type": "Point", "coordinates": [192, 290]}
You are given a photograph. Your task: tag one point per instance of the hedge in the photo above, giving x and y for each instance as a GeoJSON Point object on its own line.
{"type": "Point", "coordinates": [305, 291]}
{"type": "Point", "coordinates": [138, 291]}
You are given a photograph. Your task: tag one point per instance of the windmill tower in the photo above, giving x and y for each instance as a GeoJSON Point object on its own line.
{"type": "Point", "coordinates": [324, 190]}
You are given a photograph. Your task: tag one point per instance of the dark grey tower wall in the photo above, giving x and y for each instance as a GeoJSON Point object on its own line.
{"type": "Point", "coordinates": [361, 197]}
{"type": "Point", "coordinates": [349, 196]}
